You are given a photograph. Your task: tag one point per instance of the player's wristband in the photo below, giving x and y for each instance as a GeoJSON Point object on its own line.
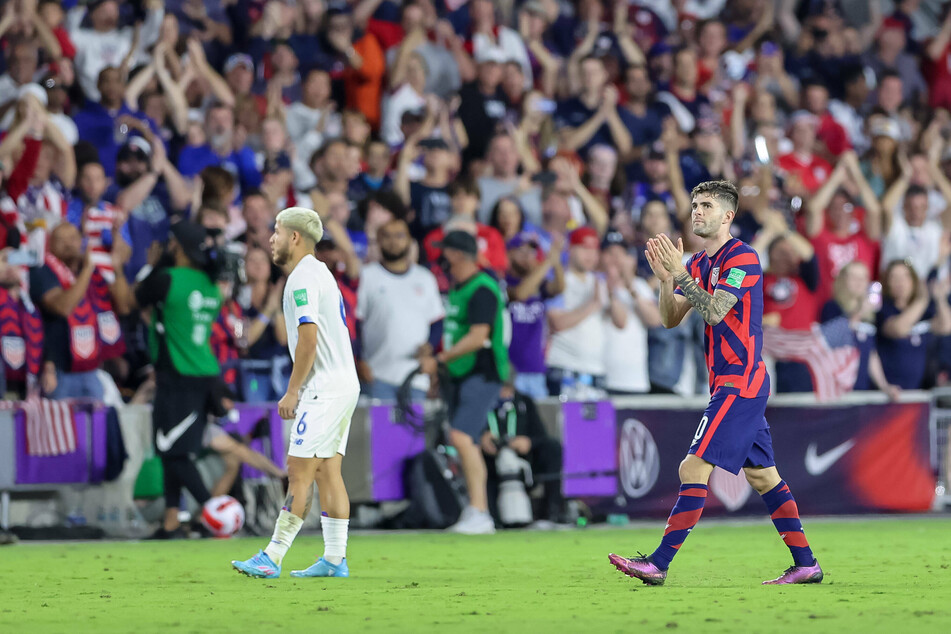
{"type": "Point", "coordinates": [264, 319]}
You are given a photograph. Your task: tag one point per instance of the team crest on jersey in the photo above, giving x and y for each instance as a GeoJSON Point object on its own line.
{"type": "Point", "coordinates": [14, 351]}
{"type": "Point", "coordinates": [714, 276]}
{"type": "Point", "coordinates": [83, 339]}
{"type": "Point", "coordinates": [108, 327]}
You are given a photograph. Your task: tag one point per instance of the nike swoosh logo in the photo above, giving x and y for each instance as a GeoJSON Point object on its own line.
{"type": "Point", "coordinates": [817, 464]}
{"type": "Point", "coordinates": [163, 443]}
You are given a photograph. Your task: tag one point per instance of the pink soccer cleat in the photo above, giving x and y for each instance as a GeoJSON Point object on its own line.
{"type": "Point", "coordinates": [640, 567]}
{"type": "Point", "coordinates": [798, 574]}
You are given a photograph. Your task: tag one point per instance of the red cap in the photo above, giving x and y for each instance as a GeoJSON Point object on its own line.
{"type": "Point", "coordinates": [585, 237]}
{"type": "Point", "coordinates": [892, 23]}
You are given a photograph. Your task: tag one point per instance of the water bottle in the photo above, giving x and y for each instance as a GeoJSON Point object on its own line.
{"type": "Point", "coordinates": [567, 392]}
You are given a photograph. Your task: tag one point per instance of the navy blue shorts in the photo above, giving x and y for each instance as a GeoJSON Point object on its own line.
{"type": "Point", "coordinates": [733, 432]}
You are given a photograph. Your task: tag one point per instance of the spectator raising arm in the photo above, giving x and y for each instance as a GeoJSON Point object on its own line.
{"type": "Point", "coordinates": [532, 283]}
{"type": "Point", "coordinates": [896, 193]}
{"type": "Point", "coordinates": [198, 61]}
{"type": "Point", "coordinates": [633, 55]}
{"type": "Point", "coordinates": [174, 95]}
{"type": "Point", "coordinates": [65, 167]}
{"type": "Point", "coordinates": [816, 207]}
{"type": "Point", "coordinates": [581, 51]}
{"type": "Point", "coordinates": [595, 212]}
{"type": "Point", "coordinates": [936, 48]}
{"type": "Point", "coordinates": [873, 208]}
{"type": "Point", "coordinates": [670, 139]}
{"type": "Point", "coordinates": [457, 48]}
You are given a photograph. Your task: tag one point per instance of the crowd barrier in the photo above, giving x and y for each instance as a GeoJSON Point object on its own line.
{"type": "Point", "coordinates": [860, 454]}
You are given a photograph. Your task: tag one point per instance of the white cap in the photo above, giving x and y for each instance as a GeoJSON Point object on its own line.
{"type": "Point", "coordinates": [33, 89]}
{"type": "Point", "coordinates": [490, 54]}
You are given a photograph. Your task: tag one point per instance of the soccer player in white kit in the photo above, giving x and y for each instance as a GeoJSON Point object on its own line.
{"type": "Point", "coordinates": [321, 396]}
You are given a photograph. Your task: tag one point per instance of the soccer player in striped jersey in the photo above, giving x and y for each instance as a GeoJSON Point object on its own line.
{"type": "Point", "coordinates": [724, 283]}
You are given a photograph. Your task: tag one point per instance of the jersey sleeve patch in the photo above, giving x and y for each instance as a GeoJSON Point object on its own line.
{"type": "Point", "coordinates": [735, 278]}
{"type": "Point", "coordinates": [300, 297]}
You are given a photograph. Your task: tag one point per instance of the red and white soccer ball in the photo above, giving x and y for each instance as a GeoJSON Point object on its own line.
{"type": "Point", "coordinates": [223, 516]}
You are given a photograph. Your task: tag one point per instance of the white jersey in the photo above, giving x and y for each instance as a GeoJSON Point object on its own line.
{"type": "Point", "coordinates": [311, 296]}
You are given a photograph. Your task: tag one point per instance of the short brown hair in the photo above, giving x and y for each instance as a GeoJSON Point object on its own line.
{"type": "Point", "coordinates": [723, 191]}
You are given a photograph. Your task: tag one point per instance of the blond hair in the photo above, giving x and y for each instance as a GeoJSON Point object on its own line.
{"type": "Point", "coordinates": [302, 220]}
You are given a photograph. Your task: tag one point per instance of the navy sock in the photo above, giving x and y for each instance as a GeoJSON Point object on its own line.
{"type": "Point", "coordinates": [683, 517]}
{"type": "Point", "coordinates": [785, 515]}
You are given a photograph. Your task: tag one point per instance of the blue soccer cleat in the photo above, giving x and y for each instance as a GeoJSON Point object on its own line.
{"type": "Point", "coordinates": [323, 568]}
{"type": "Point", "coordinates": [258, 566]}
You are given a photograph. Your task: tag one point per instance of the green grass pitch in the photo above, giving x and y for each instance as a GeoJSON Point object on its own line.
{"type": "Point", "coordinates": [884, 575]}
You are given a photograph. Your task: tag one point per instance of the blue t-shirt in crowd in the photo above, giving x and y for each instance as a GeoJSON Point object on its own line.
{"type": "Point", "coordinates": [864, 342]}
{"type": "Point", "coordinates": [574, 113]}
{"type": "Point", "coordinates": [97, 126]}
{"type": "Point", "coordinates": [192, 160]}
{"type": "Point", "coordinates": [147, 223]}
{"type": "Point", "coordinates": [646, 129]}
{"type": "Point", "coordinates": [904, 360]}
{"type": "Point", "coordinates": [432, 205]}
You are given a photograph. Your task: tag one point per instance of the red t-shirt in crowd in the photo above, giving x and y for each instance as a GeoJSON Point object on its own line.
{"type": "Point", "coordinates": [813, 173]}
{"type": "Point", "coordinates": [834, 252]}
{"type": "Point", "coordinates": [492, 253]}
{"type": "Point", "coordinates": [833, 135]}
{"type": "Point", "coordinates": [798, 307]}
{"type": "Point", "coordinates": [938, 75]}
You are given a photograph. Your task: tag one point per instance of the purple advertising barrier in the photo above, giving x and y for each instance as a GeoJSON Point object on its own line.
{"type": "Point", "coordinates": [248, 417]}
{"type": "Point", "coordinates": [391, 445]}
{"type": "Point", "coordinates": [83, 466]}
{"type": "Point", "coordinates": [590, 458]}
{"type": "Point", "coordinates": [837, 460]}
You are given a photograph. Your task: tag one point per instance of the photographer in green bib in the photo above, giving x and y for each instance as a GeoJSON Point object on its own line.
{"type": "Point", "coordinates": [475, 352]}
{"type": "Point", "coordinates": [185, 303]}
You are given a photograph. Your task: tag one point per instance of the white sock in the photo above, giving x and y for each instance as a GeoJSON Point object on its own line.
{"type": "Point", "coordinates": [335, 538]}
{"type": "Point", "coordinates": [285, 530]}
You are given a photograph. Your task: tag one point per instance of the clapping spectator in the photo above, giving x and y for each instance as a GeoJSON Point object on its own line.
{"type": "Point", "coordinates": [790, 282]}
{"type": "Point", "coordinates": [835, 226]}
{"type": "Point", "coordinates": [266, 332]}
{"type": "Point", "coordinates": [79, 310]}
{"type": "Point", "coordinates": [531, 282]}
{"type": "Point", "coordinates": [575, 318]}
{"type": "Point", "coordinates": [107, 44]}
{"type": "Point", "coordinates": [910, 318]}
{"type": "Point", "coordinates": [108, 123]}
{"type": "Point", "coordinates": [625, 347]}
{"type": "Point", "coordinates": [858, 301]}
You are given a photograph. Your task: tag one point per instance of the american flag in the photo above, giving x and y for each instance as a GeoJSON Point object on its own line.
{"type": "Point", "coordinates": [828, 349]}
{"type": "Point", "coordinates": [50, 428]}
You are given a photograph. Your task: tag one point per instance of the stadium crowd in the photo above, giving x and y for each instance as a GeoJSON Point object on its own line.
{"type": "Point", "coordinates": [561, 134]}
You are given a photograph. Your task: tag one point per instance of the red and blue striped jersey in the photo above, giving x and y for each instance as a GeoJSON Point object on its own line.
{"type": "Point", "coordinates": [734, 345]}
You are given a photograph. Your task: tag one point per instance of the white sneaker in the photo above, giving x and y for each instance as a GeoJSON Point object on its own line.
{"type": "Point", "coordinates": [473, 522]}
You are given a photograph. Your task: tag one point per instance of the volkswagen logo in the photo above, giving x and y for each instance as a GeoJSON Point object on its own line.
{"type": "Point", "coordinates": [639, 461]}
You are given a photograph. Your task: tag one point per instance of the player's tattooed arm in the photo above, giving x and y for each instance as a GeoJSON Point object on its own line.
{"type": "Point", "coordinates": [713, 308]}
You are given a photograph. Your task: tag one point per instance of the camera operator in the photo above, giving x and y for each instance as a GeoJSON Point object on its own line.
{"type": "Point", "coordinates": [185, 301]}
{"type": "Point", "coordinates": [514, 422]}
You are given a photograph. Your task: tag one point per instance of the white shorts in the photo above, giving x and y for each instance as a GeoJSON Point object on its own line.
{"type": "Point", "coordinates": [322, 426]}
